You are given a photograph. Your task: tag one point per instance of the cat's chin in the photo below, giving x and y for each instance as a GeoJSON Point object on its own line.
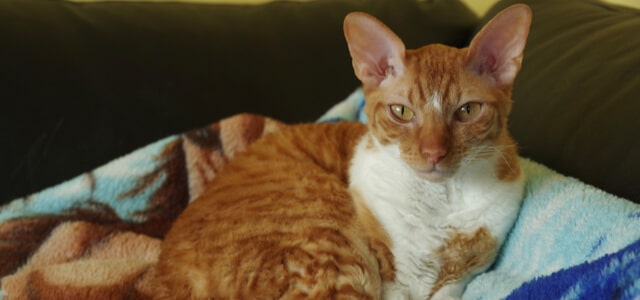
{"type": "Point", "coordinates": [434, 175]}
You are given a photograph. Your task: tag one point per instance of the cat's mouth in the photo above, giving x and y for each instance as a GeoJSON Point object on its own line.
{"type": "Point", "coordinates": [434, 173]}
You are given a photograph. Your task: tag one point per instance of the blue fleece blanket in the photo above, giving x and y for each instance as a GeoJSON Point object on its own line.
{"type": "Point", "coordinates": [570, 241]}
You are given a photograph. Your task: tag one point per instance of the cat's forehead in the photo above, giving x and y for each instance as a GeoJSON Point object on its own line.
{"type": "Point", "coordinates": [435, 60]}
{"type": "Point", "coordinates": [434, 71]}
{"type": "Point", "coordinates": [438, 51]}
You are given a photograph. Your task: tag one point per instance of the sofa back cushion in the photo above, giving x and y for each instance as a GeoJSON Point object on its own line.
{"type": "Point", "coordinates": [577, 98]}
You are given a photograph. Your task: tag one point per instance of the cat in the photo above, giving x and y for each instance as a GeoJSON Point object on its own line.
{"type": "Point", "coordinates": [410, 206]}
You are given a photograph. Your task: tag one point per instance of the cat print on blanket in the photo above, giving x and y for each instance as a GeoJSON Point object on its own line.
{"type": "Point", "coordinates": [412, 205]}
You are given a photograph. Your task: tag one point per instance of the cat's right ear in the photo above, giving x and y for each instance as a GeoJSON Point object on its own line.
{"type": "Point", "coordinates": [377, 53]}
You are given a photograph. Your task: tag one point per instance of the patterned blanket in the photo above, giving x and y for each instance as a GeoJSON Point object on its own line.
{"type": "Point", "coordinates": [97, 236]}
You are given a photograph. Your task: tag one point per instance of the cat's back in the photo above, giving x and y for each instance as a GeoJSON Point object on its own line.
{"type": "Point", "coordinates": [277, 222]}
{"type": "Point", "coordinates": [304, 147]}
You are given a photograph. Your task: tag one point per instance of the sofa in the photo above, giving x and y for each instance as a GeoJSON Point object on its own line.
{"type": "Point", "coordinates": [83, 84]}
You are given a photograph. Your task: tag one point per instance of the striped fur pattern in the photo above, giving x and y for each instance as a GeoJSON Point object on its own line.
{"type": "Point", "coordinates": [277, 222]}
{"type": "Point", "coordinates": [411, 206]}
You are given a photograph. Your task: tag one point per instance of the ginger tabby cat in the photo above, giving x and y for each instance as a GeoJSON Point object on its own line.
{"type": "Point", "coordinates": [410, 206]}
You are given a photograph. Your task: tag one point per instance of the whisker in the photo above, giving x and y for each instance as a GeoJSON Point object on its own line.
{"type": "Point", "coordinates": [473, 153]}
{"type": "Point", "coordinates": [505, 160]}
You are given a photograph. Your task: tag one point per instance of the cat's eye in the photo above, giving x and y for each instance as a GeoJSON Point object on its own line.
{"type": "Point", "coordinates": [468, 111]}
{"type": "Point", "coordinates": [401, 112]}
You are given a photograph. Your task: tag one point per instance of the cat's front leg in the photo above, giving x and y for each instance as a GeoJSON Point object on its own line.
{"type": "Point", "coordinates": [462, 256]}
{"type": "Point", "coordinates": [451, 291]}
{"type": "Point", "coordinates": [394, 291]}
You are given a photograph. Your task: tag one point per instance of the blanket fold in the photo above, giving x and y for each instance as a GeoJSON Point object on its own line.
{"type": "Point", "coordinates": [98, 235]}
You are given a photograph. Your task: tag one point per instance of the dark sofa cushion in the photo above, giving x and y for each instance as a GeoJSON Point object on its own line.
{"type": "Point", "coordinates": [577, 97]}
{"type": "Point", "coordinates": [82, 84]}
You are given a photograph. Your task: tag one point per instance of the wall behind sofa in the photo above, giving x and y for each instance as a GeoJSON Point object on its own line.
{"type": "Point", "coordinates": [480, 7]}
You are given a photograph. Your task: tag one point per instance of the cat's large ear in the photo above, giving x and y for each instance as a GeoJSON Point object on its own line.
{"type": "Point", "coordinates": [496, 51]}
{"type": "Point", "coordinates": [376, 51]}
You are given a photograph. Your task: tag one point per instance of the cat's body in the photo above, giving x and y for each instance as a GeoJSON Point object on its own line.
{"type": "Point", "coordinates": [411, 206]}
{"type": "Point", "coordinates": [292, 234]}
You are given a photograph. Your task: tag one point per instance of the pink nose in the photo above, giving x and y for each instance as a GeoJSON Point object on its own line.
{"type": "Point", "coordinates": [434, 155]}
{"type": "Point", "coordinates": [434, 142]}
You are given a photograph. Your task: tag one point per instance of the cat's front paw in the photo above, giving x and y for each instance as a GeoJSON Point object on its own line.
{"type": "Point", "coordinates": [452, 291]}
{"type": "Point", "coordinates": [446, 297]}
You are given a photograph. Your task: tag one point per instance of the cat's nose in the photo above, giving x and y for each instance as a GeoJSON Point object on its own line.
{"type": "Point", "coordinates": [434, 155]}
{"type": "Point", "coordinates": [434, 141]}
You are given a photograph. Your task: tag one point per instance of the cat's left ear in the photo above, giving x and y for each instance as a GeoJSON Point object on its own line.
{"type": "Point", "coordinates": [496, 51]}
{"type": "Point", "coordinates": [376, 51]}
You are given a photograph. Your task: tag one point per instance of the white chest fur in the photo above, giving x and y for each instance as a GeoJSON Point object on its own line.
{"type": "Point", "coordinates": [418, 214]}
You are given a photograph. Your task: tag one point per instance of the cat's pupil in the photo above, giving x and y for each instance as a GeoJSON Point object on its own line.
{"type": "Point", "coordinates": [401, 112]}
{"type": "Point", "coordinates": [467, 111]}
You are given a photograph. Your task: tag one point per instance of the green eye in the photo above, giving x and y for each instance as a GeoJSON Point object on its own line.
{"type": "Point", "coordinates": [468, 111]}
{"type": "Point", "coordinates": [402, 112]}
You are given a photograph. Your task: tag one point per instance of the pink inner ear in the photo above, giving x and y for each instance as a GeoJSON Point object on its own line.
{"type": "Point", "coordinates": [496, 51]}
{"type": "Point", "coordinates": [376, 51]}
{"type": "Point", "coordinates": [489, 65]}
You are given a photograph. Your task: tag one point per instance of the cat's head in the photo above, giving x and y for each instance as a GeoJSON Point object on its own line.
{"type": "Point", "coordinates": [439, 107]}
